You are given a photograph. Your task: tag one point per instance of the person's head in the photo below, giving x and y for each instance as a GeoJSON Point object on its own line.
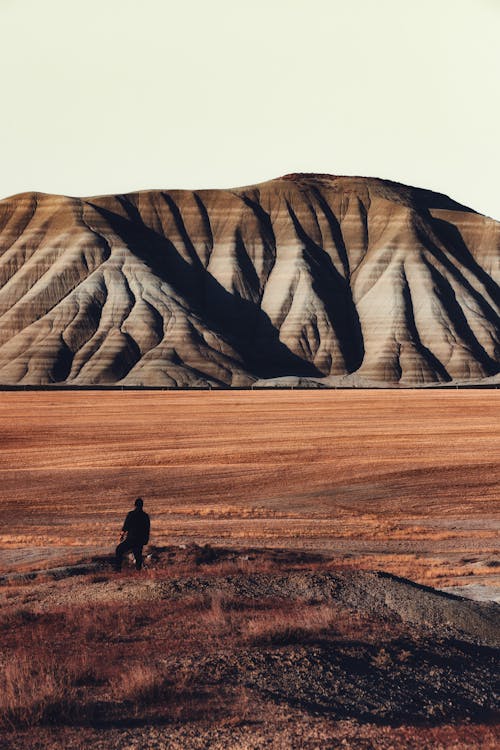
{"type": "Point", "coordinates": [139, 503]}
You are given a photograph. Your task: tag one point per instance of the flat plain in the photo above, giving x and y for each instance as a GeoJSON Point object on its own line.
{"type": "Point", "coordinates": [401, 480]}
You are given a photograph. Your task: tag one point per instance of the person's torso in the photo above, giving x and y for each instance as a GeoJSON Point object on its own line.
{"type": "Point", "coordinates": [137, 525]}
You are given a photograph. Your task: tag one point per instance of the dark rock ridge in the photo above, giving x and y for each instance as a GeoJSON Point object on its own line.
{"type": "Point", "coordinates": [306, 279]}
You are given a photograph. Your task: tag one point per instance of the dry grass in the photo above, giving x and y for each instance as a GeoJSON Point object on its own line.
{"type": "Point", "coordinates": [431, 571]}
{"type": "Point", "coordinates": [288, 624]}
{"type": "Point", "coordinates": [81, 663]}
{"type": "Point", "coordinates": [401, 481]}
{"type": "Point", "coordinates": [86, 664]}
{"type": "Point", "coordinates": [145, 683]}
{"type": "Point", "coordinates": [36, 688]}
{"type": "Point", "coordinates": [173, 664]}
{"type": "Point", "coordinates": [296, 468]}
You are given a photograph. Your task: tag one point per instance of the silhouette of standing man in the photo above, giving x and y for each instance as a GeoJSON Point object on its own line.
{"type": "Point", "coordinates": [135, 534]}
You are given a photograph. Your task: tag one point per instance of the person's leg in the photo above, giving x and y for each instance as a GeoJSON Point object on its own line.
{"type": "Point", "coordinates": [121, 550]}
{"type": "Point", "coordinates": [138, 556]}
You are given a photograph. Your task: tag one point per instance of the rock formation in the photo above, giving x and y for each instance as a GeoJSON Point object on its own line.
{"type": "Point", "coordinates": [309, 279]}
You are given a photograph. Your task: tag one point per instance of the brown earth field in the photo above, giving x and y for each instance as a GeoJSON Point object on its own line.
{"type": "Point", "coordinates": [405, 481]}
{"type": "Point", "coordinates": [292, 591]}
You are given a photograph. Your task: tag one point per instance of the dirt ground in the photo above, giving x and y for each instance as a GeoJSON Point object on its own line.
{"type": "Point", "coordinates": [284, 637]}
{"type": "Point", "coordinates": [406, 481]}
{"type": "Point", "coordinates": [223, 648]}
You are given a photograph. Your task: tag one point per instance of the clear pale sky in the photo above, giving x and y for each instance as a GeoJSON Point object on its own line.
{"type": "Point", "coordinates": [108, 96]}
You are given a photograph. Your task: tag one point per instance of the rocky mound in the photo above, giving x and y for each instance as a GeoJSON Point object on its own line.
{"type": "Point", "coordinates": [375, 594]}
{"type": "Point", "coordinates": [224, 648]}
{"type": "Point", "coordinates": [307, 279]}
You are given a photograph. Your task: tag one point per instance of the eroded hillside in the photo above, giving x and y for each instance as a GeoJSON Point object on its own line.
{"type": "Point", "coordinates": [307, 278]}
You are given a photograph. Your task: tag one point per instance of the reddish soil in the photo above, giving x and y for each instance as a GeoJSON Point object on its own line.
{"type": "Point", "coordinates": [217, 648]}
{"type": "Point", "coordinates": [407, 481]}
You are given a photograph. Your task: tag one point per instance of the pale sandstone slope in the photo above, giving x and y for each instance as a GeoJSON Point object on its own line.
{"type": "Point", "coordinates": [307, 278]}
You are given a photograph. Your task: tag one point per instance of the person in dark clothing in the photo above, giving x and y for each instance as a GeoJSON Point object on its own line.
{"type": "Point", "coordinates": [135, 534]}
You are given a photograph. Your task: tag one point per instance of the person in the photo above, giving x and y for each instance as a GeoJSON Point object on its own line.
{"type": "Point", "coordinates": [135, 534]}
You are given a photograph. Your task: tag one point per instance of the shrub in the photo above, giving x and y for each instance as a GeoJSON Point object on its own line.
{"type": "Point", "coordinates": [289, 626]}
{"type": "Point", "coordinates": [38, 689]}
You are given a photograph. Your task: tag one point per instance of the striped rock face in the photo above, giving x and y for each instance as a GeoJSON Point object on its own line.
{"type": "Point", "coordinates": [307, 279]}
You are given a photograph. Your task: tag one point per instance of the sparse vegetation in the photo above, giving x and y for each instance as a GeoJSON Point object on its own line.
{"type": "Point", "coordinates": [36, 688]}
{"type": "Point", "coordinates": [290, 624]}
{"type": "Point", "coordinates": [406, 473]}
{"type": "Point", "coordinates": [202, 648]}
{"type": "Point", "coordinates": [225, 643]}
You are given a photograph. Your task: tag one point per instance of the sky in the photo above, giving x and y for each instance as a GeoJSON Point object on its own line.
{"type": "Point", "coordinates": [107, 96]}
